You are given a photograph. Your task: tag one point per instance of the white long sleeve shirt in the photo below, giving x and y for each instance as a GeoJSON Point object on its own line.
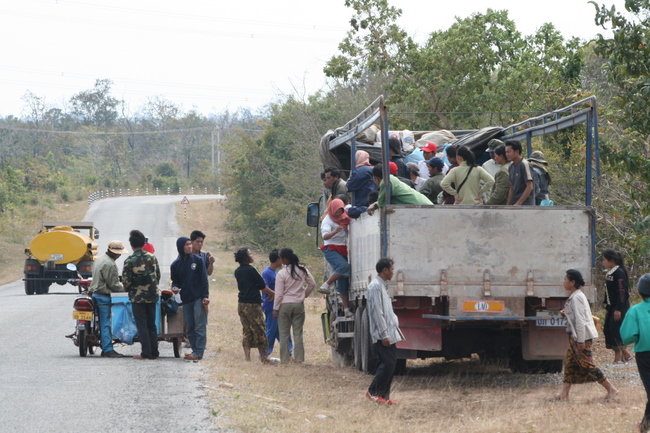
{"type": "Point", "coordinates": [383, 320]}
{"type": "Point", "coordinates": [578, 313]}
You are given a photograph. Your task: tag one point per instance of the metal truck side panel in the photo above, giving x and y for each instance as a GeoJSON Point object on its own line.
{"type": "Point", "coordinates": [476, 252]}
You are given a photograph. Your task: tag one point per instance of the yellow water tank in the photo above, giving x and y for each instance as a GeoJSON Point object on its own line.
{"type": "Point", "coordinates": [61, 244]}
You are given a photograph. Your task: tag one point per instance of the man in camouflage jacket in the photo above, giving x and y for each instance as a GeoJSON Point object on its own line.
{"type": "Point", "coordinates": [140, 276]}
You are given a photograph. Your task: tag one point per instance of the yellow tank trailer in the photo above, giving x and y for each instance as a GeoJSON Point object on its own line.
{"type": "Point", "coordinates": [57, 245]}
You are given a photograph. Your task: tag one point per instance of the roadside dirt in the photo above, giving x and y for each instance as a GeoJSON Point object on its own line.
{"type": "Point", "coordinates": [435, 396]}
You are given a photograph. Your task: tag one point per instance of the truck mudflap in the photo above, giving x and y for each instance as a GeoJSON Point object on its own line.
{"type": "Point", "coordinates": [539, 343]}
{"type": "Point", "coordinates": [419, 333]}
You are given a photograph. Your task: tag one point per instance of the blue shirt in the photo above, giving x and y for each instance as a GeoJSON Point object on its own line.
{"type": "Point", "coordinates": [269, 278]}
{"type": "Point", "coordinates": [361, 183]}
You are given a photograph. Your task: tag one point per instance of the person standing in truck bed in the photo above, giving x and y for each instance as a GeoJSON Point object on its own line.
{"type": "Point", "coordinates": [400, 193]}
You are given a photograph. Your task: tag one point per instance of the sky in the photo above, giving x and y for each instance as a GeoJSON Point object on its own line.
{"type": "Point", "coordinates": [212, 55]}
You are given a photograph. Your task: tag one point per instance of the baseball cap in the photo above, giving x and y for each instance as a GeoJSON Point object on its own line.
{"type": "Point", "coordinates": [436, 162]}
{"type": "Point", "coordinates": [430, 147]}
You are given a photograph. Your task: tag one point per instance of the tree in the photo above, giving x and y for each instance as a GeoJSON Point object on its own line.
{"type": "Point", "coordinates": [465, 76]}
{"type": "Point", "coordinates": [96, 107]}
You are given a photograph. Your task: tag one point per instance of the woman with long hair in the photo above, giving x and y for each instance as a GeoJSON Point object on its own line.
{"type": "Point", "coordinates": [617, 302]}
{"type": "Point", "coordinates": [292, 285]}
{"type": "Point", "coordinates": [579, 365]}
{"type": "Point", "coordinates": [467, 179]}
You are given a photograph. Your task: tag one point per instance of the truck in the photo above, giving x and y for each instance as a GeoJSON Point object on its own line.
{"type": "Point", "coordinates": [56, 246]}
{"type": "Point", "coordinates": [473, 279]}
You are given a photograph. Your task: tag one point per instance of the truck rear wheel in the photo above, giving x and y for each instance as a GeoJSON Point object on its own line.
{"type": "Point", "coordinates": [29, 287]}
{"type": "Point", "coordinates": [41, 287]}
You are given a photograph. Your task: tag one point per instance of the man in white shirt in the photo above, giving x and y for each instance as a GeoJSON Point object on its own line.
{"type": "Point", "coordinates": [428, 152]}
{"type": "Point", "coordinates": [384, 331]}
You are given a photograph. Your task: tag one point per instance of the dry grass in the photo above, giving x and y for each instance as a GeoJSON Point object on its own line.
{"type": "Point", "coordinates": [17, 231]}
{"type": "Point", "coordinates": [458, 396]}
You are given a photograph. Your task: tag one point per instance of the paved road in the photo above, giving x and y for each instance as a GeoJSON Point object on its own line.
{"type": "Point", "coordinates": [45, 386]}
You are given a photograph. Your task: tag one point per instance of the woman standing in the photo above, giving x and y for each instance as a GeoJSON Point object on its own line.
{"type": "Point", "coordinates": [579, 365]}
{"type": "Point", "coordinates": [250, 283]}
{"type": "Point", "coordinates": [617, 302]}
{"type": "Point", "coordinates": [636, 329]}
{"type": "Point", "coordinates": [289, 304]}
{"type": "Point", "coordinates": [467, 178]}
{"type": "Point", "coordinates": [335, 236]}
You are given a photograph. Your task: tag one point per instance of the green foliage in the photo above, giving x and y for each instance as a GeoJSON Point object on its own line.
{"type": "Point", "coordinates": [96, 106]}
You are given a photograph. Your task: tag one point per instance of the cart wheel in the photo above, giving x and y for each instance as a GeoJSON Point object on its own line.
{"type": "Point", "coordinates": [83, 344]}
{"type": "Point", "coordinates": [176, 342]}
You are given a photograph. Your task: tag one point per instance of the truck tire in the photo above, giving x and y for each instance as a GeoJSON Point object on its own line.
{"type": "Point", "coordinates": [368, 355]}
{"type": "Point", "coordinates": [177, 342]}
{"type": "Point", "coordinates": [29, 287]}
{"type": "Point", "coordinates": [41, 287]}
{"type": "Point", "coordinates": [357, 337]}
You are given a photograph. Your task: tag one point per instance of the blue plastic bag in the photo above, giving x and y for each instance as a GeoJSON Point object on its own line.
{"type": "Point", "coordinates": [124, 328]}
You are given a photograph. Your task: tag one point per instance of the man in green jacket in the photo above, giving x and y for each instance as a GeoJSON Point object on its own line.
{"type": "Point", "coordinates": [400, 193]}
{"type": "Point", "coordinates": [499, 193]}
{"type": "Point", "coordinates": [431, 188]}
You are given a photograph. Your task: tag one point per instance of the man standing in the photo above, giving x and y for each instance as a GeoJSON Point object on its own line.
{"type": "Point", "coordinates": [384, 331]}
{"type": "Point", "coordinates": [140, 277]}
{"type": "Point", "coordinates": [491, 165]}
{"type": "Point", "coordinates": [272, 330]}
{"type": "Point", "coordinates": [428, 152]}
{"type": "Point", "coordinates": [541, 175]}
{"type": "Point", "coordinates": [431, 187]}
{"type": "Point", "coordinates": [197, 237]}
{"type": "Point", "coordinates": [189, 277]}
{"type": "Point", "coordinates": [333, 183]}
{"type": "Point", "coordinates": [521, 176]}
{"type": "Point", "coordinates": [105, 281]}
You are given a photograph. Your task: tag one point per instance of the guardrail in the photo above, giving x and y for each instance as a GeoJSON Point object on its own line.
{"type": "Point", "coordinates": [126, 192]}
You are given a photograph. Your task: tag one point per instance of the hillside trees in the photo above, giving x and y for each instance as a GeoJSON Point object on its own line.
{"type": "Point", "coordinates": [627, 134]}
{"type": "Point", "coordinates": [479, 71]}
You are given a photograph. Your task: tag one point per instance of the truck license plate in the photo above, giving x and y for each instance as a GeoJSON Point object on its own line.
{"type": "Point", "coordinates": [552, 319]}
{"type": "Point", "coordinates": [82, 315]}
{"type": "Point", "coordinates": [483, 307]}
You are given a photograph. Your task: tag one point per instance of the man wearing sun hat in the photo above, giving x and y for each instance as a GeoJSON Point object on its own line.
{"type": "Point", "coordinates": [105, 281]}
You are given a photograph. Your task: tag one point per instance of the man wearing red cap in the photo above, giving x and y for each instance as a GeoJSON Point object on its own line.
{"type": "Point", "coordinates": [428, 151]}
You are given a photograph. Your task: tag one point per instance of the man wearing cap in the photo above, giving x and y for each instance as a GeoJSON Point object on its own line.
{"type": "Point", "coordinates": [542, 178]}
{"type": "Point", "coordinates": [428, 151]}
{"type": "Point", "coordinates": [105, 281]}
{"type": "Point", "coordinates": [492, 166]}
{"type": "Point", "coordinates": [431, 187]}
{"type": "Point", "coordinates": [414, 174]}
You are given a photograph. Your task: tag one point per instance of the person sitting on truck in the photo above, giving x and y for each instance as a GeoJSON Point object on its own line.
{"type": "Point", "coordinates": [105, 281]}
{"type": "Point", "coordinates": [395, 150]}
{"type": "Point", "coordinates": [414, 173]}
{"type": "Point", "coordinates": [360, 182]}
{"type": "Point", "coordinates": [431, 187]}
{"type": "Point", "coordinates": [392, 168]}
{"type": "Point", "coordinates": [334, 229]}
{"type": "Point", "coordinates": [499, 193]}
{"type": "Point", "coordinates": [521, 176]}
{"type": "Point", "coordinates": [333, 183]}
{"type": "Point", "coordinates": [384, 332]}
{"type": "Point", "coordinates": [428, 151]}
{"type": "Point", "coordinates": [542, 178]}
{"type": "Point", "coordinates": [450, 151]}
{"type": "Point", "coordinates": [468, 177]}
{"type": "Point", "coordinates": [400, 193]}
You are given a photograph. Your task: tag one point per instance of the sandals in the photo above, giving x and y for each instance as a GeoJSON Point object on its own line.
{"type": "Point", "coordinates": [629, 359]}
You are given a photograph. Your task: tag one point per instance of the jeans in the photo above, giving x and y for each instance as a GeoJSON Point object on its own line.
{"type": "Point", "coordinates": [380, 385]}
{"type": "Point", "coordinates": [291, 315]}
{"type": "Point", "coordinates": [273, 333]}
{"type": "Point", "coordinates": [103, 303]}
{"type": "Point", "coordinates": [196, 323]}
{"type": "Point", "coordinates": [144, 314]}
{"type": "Point", "coordinates": [341, 266]}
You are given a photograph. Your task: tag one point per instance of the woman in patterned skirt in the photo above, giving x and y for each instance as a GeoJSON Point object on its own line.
{"type": "Point", "coordinates": [579, 365]}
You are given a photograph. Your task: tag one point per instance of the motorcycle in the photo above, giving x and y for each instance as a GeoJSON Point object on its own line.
{"type": "Point", "coordinates": [86, 335]}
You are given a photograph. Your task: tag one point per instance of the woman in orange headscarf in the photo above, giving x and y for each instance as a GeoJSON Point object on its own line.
{"type": "Point", "coordinates": [334, 229]}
